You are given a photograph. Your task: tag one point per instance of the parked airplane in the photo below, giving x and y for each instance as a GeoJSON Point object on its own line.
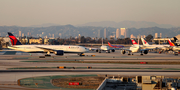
{"type": "Point", "coordinates": [161, 47]}
{"type": "Point", "coordinates": [134, 49]}
{"type": "Point", "coordinates": [115, 46]}
{"type": "Point", "coordinates": [174, 48]}
{"type": "Point", "coordinates": [177, 42]}
{"type": "Point", "coordinates": [56, 49]}
{"type": "Point", "coordinates": [103, 48]}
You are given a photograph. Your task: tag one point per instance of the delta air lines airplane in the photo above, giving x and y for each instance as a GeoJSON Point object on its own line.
{"type": "Point", "coordinates": [56, 49]}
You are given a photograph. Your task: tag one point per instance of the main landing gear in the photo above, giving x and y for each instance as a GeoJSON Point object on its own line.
{"type": "Point", "coordinates": [81, 54]}
{"type": "Point", "coordinates": [48, 54]}
{"type": "Point", "coordinates": [141, 53]}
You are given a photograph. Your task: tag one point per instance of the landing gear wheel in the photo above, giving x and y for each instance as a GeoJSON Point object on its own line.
{"type": "Point", "coordinates": [108, 51]}
{"type": "Point", "coordinates": [132, 54]}
{"type": "Point", "coordinates": [47, 55]}
{"type": "Point", "coordinates": [141, 54]}
{"type": "Point", "coordinates": [129, 54]}
{"type": "Point", "coordinates": [81, 54]}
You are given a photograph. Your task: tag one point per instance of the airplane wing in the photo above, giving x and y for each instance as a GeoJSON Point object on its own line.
{"type": "Point", "coordinates": [46, 49]}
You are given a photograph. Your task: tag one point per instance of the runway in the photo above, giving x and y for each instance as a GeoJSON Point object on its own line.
{"type": "Point", "coordinates": [17, 65]}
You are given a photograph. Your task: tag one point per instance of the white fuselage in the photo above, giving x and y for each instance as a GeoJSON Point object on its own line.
{"type": "Point", "coordinates": [38, 48]}
{"type": "Point", "coordinates": [155, 46]}
{"type": "Point", "coordinates": [175, 48]}
{"type": "Point", "coordinates": [104, 48]}
{"type": "Point", "coordinates": [135, 48]}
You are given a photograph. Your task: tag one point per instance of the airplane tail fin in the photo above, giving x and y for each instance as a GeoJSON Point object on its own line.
{"type": "Point", "coordinates": [175, 39]}
{"type": "Point", "coordinates": [14, 40]}
{"type": "Point", "coordinates": [133, 42]}
{"type": "Point", "coordinates": [110, 44]}
{"type": "Point", "coordinates": [171, 43]}
{"type": "Point", "coordinates": [144, 41]}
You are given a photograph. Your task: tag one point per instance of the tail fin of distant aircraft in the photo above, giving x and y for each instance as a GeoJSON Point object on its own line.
{"type": "Point", "coordinates": [110, 44]}
{"type": "Point", "coordinates": [144, 41]}
{"type": "Point", "coordinates": [14, 40]}
{"type": "Point", "coordinates": [175, 39]}
{"type": "Point", "coordinates": [133, 42]}
{"type": "Point", "coordinates": [171, 43]}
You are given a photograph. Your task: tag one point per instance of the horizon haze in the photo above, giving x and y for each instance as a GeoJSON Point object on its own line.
{"type": "Point", "coordinates": [77, 12]}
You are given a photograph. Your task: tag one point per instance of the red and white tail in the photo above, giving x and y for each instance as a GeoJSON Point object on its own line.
{"type": "Point", "coordinates": [144, 42]}
{"type": "Point", "coordinates": [171, 43]}
{"type": "Point", "coordinates": [133, 42]}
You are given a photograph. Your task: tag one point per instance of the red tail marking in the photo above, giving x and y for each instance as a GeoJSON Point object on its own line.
{"type": "Point", "coordinates": [109, 44]}
{"type": "Point", "coordinates": [133, 42]}
{"type": "Point", "coordinates": [13, 40]}
{"type": "Point", "coordinates": [170, 43]}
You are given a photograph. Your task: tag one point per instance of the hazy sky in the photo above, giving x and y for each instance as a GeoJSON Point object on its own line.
{"type": "Point", "coordinates": [62, 12]}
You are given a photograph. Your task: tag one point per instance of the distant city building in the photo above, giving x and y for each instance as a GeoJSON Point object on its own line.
{"type": "Point", "coordinates": [160, 35]}
{"type": "Point", "coordinates": [52, 35]}
{"type": "Point", "coordinates": [117, 33]}
{"type": "Point", "coordinates": [19, 33]}
{"type": "Point", "coordinates": [79, 41]}
{"type": "Point", "coordinates": [60, 35]}
{"type": "Point", "coordinates": [36, 41]}
{"type": "Point", "coordinates": [27, 33]}
{"type": "Point", "coordinates": [125, 32]}
{"type": "Point", "coordinates": [100, 33]}
{"type": "Point", "coordinates": [132, 36]}
{"type": "Point", "coordinates": [144, 36]}
{"type": "Point", "coordinates": [22, 34]}
{"type": "Point", "coordinates": [105, 33]}
{"type": "Point", "coordinates": [156, 35]}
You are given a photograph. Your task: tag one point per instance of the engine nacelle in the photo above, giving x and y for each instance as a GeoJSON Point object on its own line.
{"type": "Point", "coordinates": [113, 50]}
{"type": "Point", "coordinates": [97, 50]}
{"type": "Point", "coordinates": [123, 52]}
{"type": "Point", "coordinates": [146, 52]}
{"type": "Point", "coordinates": [59, 52]}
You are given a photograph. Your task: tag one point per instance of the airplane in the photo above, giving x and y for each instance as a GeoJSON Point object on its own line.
{"type": "Point", "coordinates": [134, 49]}
{"type": "Point", "coordinates": [115, 46]}
{"type": "Point", "coordinates": [161, 47]}
{"type": "Point", "coordinates": [56, 49]}
{"type": "Point", "coordinates": [177, 42]}
{"type": "Point", "coordinates": [103, 48]}
{"type": "Point", "coordinates": [174, 48]}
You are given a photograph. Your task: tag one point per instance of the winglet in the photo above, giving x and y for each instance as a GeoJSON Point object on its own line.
{"type": "Point", "coordinates": [14, 40]}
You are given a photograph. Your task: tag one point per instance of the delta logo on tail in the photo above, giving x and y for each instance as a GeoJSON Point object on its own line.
{"type": "Point", "coordinates": [133, 42]}
{"type": "Point", "coordinates": [115, 46]}
{"type": "Point", "coordinates": [170, 43]}
{"type": "Point", "coordinates": [14, 40]}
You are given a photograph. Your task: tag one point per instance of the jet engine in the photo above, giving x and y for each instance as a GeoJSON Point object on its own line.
{"type": "Point", "coordinates": [97, 50]}
{"type": "Point", "coordinates": [113, 50]}
{"type": "Point", "coordinates": [146, 52]}
{"type": "Point", "coordinates": [123, 52]}
{"type": "Point", "coordinates": [59, 52]}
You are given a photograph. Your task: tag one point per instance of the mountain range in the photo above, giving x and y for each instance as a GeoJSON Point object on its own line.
{"type": "Point", "coordinates": [127, 24]}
